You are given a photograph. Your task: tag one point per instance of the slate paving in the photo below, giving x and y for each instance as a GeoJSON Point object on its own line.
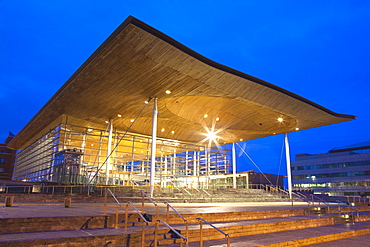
{"type": "Point", "coordinates": [28, 210]}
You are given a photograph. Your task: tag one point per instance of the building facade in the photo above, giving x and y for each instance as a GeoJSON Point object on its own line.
{"type": "Point", "coordinates": [7, 157]}
{"type": "Point", "coordinates": [145, 108]}
{"type": "Point", "coordinates": [343, 171]}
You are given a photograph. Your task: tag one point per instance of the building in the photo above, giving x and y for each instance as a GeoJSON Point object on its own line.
{"type": "Point", "coordinates": [7, 157]}
{"type": "Point", "coordinates": [140, 88]}
{"type": "Point", "coordinates": [343, 171]}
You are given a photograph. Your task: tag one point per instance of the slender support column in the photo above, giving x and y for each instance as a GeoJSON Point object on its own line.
{"type": "Point", "coordinates": [234, 165]}
{"type": "Point", "coordinates": [109, 150]}
{"type": "Point", "coordinates": [154, 144]}
{"type": "Point", "coordinates": [288, 167]}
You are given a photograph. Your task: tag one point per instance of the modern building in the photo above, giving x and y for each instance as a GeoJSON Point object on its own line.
{"type": "Point", "coordinates": [140, 88]}
{"type": "Point", "coordinates": [7, 157]}
{"type": "Point", "coordinates": [343, 171]}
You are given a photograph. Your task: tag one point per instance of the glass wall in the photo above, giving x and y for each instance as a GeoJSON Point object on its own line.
{"type": "Point", "coordinates": [79, 155]}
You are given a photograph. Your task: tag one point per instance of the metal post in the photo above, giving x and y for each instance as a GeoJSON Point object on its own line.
{"type": "Point", "coordinates": [126, 217]}
{"type": "Point", "coordinates": [143, 235]}
{"type": "Point", "coordinates": [288, 167]}
{"type": "Point", "coordinates": [116, 224]}
{"type": "Point", "coordinates": [105, 202]}
{"type": "Point", "coordinates": [167, 212]}
{"type": "Point", "coordinates": [109, 150]}
{"type": "Point", "coordinates": [154, 144]}
{"type": "Point", "coordinates": [234, 165]}
{"type": "Point", "coordinates": [201, 234]}
{"type": "Point", "coordinates": [142, 202]}
{"type": "Point", "coordinates": [156, 234]}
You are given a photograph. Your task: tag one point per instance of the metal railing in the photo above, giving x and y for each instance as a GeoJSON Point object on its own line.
{"type": "Point", "coordinates": [143, 195]}
{"type": "Point", "coordinates": [185, 239]}
{"type": "Point", "coordinates": [201, 220]}
{"type": "Point", "coordinates": [185, 220]}
{"type": "Point", "coordinates": [141, 216]}
{"type": "Point", "coordinates": [352, 207]}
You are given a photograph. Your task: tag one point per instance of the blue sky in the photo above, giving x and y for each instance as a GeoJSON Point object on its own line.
{"type": "Point", "coordinates": [317, 49]}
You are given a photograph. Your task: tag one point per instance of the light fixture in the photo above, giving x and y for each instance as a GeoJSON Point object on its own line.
{"type": "Point", "coordinates": [280, 119]}
{"type": "Point", "coordinates": [241, 139]}
{"type": "Point", "coordinates": [211, 136]}
{"type": "Point", "coordinates": [297, 128]}
{"type": "Point", "coordinates": [146, 102]}
{"type": "Point", "coordinates": [132, 120]}
{"type": "Point", "coordinates": [162, 130]}
{"type": "Point", "coordinates": [217, 119]}
{"type": "Point", "coordinates": [205, 115]}
{"type": "Point", "coordinates": [168, 91]}
{"type": "Point", "coordinates": [106, 122]}
{"type": "Point", "coordinates": [119, 115]}
{"type": "Point", "coordinates": [173, 132]}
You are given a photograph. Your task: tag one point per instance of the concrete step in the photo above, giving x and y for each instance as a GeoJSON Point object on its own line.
{"type": "Point", "coordinates": [343, 235]}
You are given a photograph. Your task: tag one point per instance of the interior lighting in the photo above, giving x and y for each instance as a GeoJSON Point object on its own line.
{"type": "Point", "coordinates": [168, 91]}
{"type": "Point", "coordinates": [132, 120]}
{"type": "Point", "coordinates": [241, 139]}
{"type": "Point", "coordinates": [217, 119]}
{"type": "Point", "coordinates": [146, 102]}
{"type": "Point", "coordinates": [119, 115]}
{"type": "Point", "coordinates": [211, 136]}
{"type": "Point", "coordinates": [280, 119]}
{"type": "Point", "coordinates": [205, 115]}
{"type": "Point", "coordinates": [89, 130]}
{"type": "Point", "coordinates": [162, 130]}
{"type": "Point", "coordinates": [106, 122]}
{"type": "Point", "coordinates": [297, 128]}
{"type": "Point", "coordinates": [173, 132]}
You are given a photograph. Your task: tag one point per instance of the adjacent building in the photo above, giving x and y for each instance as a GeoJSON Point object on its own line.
{"type": "Point", "coordinates": [7, 157]}
{"type": "Point", "coordinates": [343, 171]}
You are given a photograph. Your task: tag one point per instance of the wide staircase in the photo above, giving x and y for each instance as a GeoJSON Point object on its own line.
{"type": "Point", "coordinates": [150, 224]}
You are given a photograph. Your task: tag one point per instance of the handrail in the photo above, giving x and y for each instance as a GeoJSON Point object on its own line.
{"type": "Point", "coordinates": [135, 208]}
{"type": "Point", "coordinates": [185, 220]}
{"type": "Point", "coordinates": [169, 227]}
{"type": "Point", "coordinates": [115, 198]}
{"type": "Point", "coordinates": [151, 200]}
{"type": "Point", "coordinates": [323, 201]}
{"type": "Point", "coordinates": [167, 212]}
{"type": "Point", "coordinates": [141, 216]}
{"type": "Point", "coordinates": [353, 208]}
{"type": "Point", "coordinates": [201, 220]}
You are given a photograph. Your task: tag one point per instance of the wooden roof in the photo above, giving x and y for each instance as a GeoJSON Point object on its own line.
{"type": "Point", "coordinates": [137, 62]}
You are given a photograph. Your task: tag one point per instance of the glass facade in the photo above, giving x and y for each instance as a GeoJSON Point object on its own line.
{"type": "Point", "coordinates": [339, 172]}
{"type": "Point", "coordinates": [79, 155]}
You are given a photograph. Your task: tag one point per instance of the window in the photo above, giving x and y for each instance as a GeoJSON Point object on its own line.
{"type": "Point", "coordinates": [2, 160]}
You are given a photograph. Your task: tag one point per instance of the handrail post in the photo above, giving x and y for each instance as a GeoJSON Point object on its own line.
{"type": "Point", "coordinates": [156, 211]}
{"type": "Point", "coordinates": [142, 235]}
{"type": "Point", "coordinates": [228, 241]}
{"type": "Point", "coordinates": [187, 231]}
{"type": "Point", "coordinates": [142, 201]}
{"type": "Point", "coordinates": [52, 193]}
{"type": "Point", "coordinates": [156, 234]}
{"type": "Point", "coordinates": [201, 234]}
{"type": "Point", "coordinates": [105, 202]}
{"type": "Point", "coordinates": [116, 223]}
{"type": "Point", "coordinates": [126, 217]}
{"type": "Point", "coordinates": [167, 212]}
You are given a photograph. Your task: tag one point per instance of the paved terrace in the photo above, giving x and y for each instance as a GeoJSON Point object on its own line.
{"type": "Point", "coordinates": [28, 210]}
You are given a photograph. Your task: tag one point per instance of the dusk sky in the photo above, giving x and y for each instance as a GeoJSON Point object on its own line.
{"type": "Point", "coordinates": [317, 49]}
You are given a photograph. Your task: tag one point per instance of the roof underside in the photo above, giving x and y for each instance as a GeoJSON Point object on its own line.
{"type": "Point", "coordinates": [137, 63]}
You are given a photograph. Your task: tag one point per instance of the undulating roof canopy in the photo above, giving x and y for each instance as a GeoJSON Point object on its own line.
{"type": "Point", "coordinates": [137, 62]}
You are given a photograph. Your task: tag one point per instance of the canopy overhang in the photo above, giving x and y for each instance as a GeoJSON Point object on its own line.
{"type": "Point", "coordinates": [137, 63]}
